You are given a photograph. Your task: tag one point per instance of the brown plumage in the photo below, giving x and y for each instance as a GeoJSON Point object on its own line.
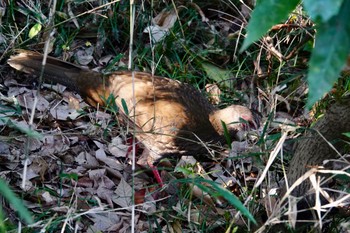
{"type": "Point", "coordinates": [170, 118]}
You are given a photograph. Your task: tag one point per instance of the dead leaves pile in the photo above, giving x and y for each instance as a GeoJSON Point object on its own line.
{"type": "Point", "coordinates": [70, 168]}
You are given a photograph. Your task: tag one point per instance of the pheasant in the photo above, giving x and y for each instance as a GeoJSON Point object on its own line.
{"type": "Point", "coordinates": [169, 117]}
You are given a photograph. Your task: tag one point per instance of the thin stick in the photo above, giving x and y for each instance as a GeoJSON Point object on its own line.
{"type": "Point", "coordinates": [132, 21]}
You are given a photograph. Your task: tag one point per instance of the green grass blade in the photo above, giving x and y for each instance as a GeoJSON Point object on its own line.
{"type": "Point", "coordinates": [216, 190]}
{"type": "Point", "coordinates": [26, 130]}
{"type": "Point", "coordinates": [226, 134]}
{"type": "Point", "coordinates": [125, 107]}
{"type": "Point", "coordinates": [17, 204]}
{"type": "Point", "coordinates": [2, 222]}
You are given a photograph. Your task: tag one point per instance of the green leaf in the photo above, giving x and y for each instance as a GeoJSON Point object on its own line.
{"type": "Point", "coordinates": [347, 134]}
{"type": "Point", "coordinates": [329, 55]}
{"type": "Point", "coordinates": [217, 74]}
{"type": "Point", "coordinates": [186, 171]}
{"type": "Point", "coordinates": [112, 64]}
{"type": "Point", "coordinates": [230, 197]}
{"type": "Point", "coordinates": [69, 176]}
{"type": "Point", "coordinates": [125, 107]}
{"type": "Point", "coordinates": [266, 14]}
{"type": "Point", "coordinates": [34, 30]}
{"type": "Point", "coordinates": [17, 204]}
{"type": "Point", "coordinates": [324, 9]}
{"type": "Point", "coordinates": [110, 103]}
{"type": "Point", "coordinates": [3, 227]}
{"type": "Point", "coordinates": [226, 134]}
{"type": "Point", "coordinates": [26, 130]}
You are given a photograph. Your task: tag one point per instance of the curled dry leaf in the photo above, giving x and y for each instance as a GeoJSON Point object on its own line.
{"type": "Point", "coordinates": [164, 21]}
{"type": "Point", "coordinates": [84, 56]}
{"type": "Point", "coordinates": [156, 33]}
{"type": "Point", "coordinates": [200, 194]}
{"type": "Point", "coordinates": [103, 61]}
{"type": "Point", "coordinates": [225, 181]}
{"type": "Point", "coordinates": [117, 147]}
{"type": "Point", "coordinates": [114, 166]}
{"type": "Point", "coordinates": [110, 162]}
{"type": "Point", "coordinates": [214, 93]}
{"type": "Point", "coordinates": [46, 196]}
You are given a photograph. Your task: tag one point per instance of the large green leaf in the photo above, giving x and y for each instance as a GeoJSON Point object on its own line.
{"type": "Point", "coordinates": [329, 55]}
{"type": "Point", "coordinates": [266, 14]}
{"type": "Point", "coordinates": [324, 9]}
